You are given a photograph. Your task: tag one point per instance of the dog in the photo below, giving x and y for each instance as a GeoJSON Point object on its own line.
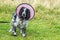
{"type": "Point", "coordinates": [20, 21]}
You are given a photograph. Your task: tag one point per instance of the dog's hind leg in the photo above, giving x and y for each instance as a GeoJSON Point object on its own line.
{"type": "Point", "coordinates": [14, 30]}
{"type": "Point", "coordinates": [12, 22]}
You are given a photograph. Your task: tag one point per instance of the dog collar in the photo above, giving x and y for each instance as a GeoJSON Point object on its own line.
{"type": "Point", "coordinates": [28, 7]}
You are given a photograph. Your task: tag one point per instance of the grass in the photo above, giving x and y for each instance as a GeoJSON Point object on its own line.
{"type": "Point", "coordinates": [44, 26]}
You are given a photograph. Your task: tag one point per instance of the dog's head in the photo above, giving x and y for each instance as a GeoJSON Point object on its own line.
{"type": "Point", "coordinates": [24, 13]}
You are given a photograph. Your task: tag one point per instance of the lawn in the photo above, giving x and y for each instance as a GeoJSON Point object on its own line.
{"type": "Point", "coordinates": [44, 26]}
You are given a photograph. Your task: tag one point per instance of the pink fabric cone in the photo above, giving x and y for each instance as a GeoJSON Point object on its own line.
{"type": "Point", "coordinates": [28, 7]}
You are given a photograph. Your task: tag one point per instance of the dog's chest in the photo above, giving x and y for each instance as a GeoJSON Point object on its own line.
{"type": "Point", "coordinates": [21, 22]}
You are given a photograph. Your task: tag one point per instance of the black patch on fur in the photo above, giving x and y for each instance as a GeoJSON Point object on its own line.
{"type": "Point", "coordinates": [14, 16]}
{"type": "Point", "coordinates": [27, 13]}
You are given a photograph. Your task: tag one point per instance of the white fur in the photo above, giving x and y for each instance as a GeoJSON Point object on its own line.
{"type": "Point", "coordinates": [23, 35]}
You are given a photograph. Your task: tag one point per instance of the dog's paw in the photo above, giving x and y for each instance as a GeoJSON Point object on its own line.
{"type": "Point", "coordinates": [14, 34]}
{"type": "Point", "coordinates": [23, 35]}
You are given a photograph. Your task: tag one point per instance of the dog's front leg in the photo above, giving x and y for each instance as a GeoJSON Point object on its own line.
{"type": "Point", "coordinates": [15, 24]}
{"type": "Point", "coordinates": [23, 28]}
{"type": "Point", "coordinates": [23, 31]}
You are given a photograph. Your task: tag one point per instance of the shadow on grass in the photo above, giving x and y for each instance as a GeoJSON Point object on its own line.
{"type": "Point", "coordinates": [4, 22]}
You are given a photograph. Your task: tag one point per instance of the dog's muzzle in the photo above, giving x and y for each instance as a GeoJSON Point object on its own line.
{"type": "Point", "coordinates": [24, 14]}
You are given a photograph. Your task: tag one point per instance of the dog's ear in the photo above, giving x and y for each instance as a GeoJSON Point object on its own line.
{"type": "Point", "coordinates": [27, 14]}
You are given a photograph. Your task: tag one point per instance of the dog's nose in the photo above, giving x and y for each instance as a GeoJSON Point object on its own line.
{"type": "Point", "coordinates": [24, 15]}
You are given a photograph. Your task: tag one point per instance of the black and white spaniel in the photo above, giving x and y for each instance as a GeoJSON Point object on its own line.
{"type": "Point", "coordinates": [20, 21]}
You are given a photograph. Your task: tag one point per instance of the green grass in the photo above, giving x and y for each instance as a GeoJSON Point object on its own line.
{"type": "Point", "coordinates": [44, 26]}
